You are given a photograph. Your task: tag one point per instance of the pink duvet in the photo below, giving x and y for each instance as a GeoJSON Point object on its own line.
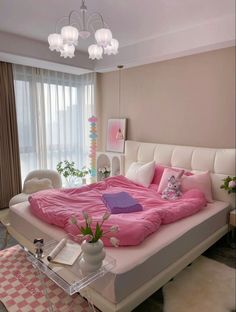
{"type": "Point", "coordinates": [58, 206]}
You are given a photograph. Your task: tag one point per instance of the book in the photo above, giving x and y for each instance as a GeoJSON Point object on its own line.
{"type": "Point", "coordinates": [65, 252]}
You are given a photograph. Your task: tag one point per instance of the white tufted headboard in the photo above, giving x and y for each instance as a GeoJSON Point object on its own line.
{"type": "Point", "coordinates": [220, 162]}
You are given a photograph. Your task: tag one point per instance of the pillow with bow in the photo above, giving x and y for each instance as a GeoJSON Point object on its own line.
{"type": "Point", "coordinates": [35, 185]}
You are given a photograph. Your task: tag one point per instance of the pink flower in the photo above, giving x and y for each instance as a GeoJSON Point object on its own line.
{"type": "Point", "coordinates": [73, 220]}
{"type": "Point", "coordinates": [232, 184]}
{"type": "Point", "coordinates": [85, 215]}
{"type": "Point", "coordinates": [87, 237]}
{"type": "Point", "coordinates": [114, 228]}
{"type": "Point", "coordinates": [79, 238]}
{"type": "Point", "coordinates": [114, 241]}
{"type": "Point", "coordinates": [89, 220]}
{"type": "Point", "coordinates": [106, 216]}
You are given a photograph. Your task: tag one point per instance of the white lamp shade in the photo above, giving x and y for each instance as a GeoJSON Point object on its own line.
{"type": "Point", "coordinates": [103, 37]}
{"type": "Point", "coordinates": [68, 51]}
{"type": "Point", "coordinates": [55, 42]}
{"type": "Point", "coordinates": [95, 52]}
{"type": "Point", "coordinates": [112, 48]}
{"type": "Point", "coordinates": [70, 35]}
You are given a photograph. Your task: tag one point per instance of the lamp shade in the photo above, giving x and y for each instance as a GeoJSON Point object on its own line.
{"type": "Point", "coordinates": [68, 51]}
{"type": "Point", "coordinates": [55, 42]}
{"type": "Point", "coordinates": [95, 52]}
{"type": "Point", "coordinates": [103, 36]}
{"type": "Point", "coordinates": [70, 35]}
{"type": "Point", "coordinates": [112, 48]}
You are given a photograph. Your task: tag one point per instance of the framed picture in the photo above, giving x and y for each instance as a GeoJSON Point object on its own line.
{"type": "Point", "coordinates": [116, 134]}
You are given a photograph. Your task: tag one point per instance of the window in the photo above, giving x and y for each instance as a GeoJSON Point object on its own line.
{"type": "Point", "coordinates": [52, 114]}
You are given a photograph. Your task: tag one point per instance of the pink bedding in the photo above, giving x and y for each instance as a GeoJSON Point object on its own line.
{"type": "Point", "coordinates": [57, 206]}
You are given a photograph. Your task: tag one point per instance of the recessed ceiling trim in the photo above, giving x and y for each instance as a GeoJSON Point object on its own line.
{"type": "Point", "coordinates": [213, 35]}
{"type": "Point", "coordinates": [28, 61]}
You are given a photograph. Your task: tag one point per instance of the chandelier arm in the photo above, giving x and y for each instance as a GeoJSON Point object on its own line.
{"type": "Point", "coordinates": [68, 17]}
{"type": "Point", "coordinates": [93, 17]}
{"type": "Point", "coordinates": [74, 12]}
{"type": "Point", "coordinates": [59, 21]}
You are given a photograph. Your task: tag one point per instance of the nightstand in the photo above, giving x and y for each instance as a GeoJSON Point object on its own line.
{"type": "Point", "coordinates": [232, 218]}
{"type": "Point", "coordinates": [232, 228]}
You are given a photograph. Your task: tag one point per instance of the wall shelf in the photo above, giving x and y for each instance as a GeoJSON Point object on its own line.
{"type": "Point", "coordinates": [112, 160]}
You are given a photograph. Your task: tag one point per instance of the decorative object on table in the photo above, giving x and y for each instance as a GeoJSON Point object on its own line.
{"type": "Point", "coordinates": [38, 243]}
{"type": "Point", "coordinates": [72, 175]}
{"type": "Point", "coordinates": [114, 144]}
{"type": "Point", "coordinates": [229, 184]}
{"type": "Point", "coordinates": [66, 41]}
{"type": "Point", "coordinates": [172, 191]}
{"type": "Point", "coordinates": [104, 172]}
{"type": "Point", "coordinates": [21, 289]}
{"type": "Point", "coordinates": [93, 147]}
{"type": "Point", "coordinates": [65, 252]}
{"type": "Point", "coordinates": [93, 252]}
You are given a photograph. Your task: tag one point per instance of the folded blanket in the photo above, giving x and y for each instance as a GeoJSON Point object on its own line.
{"type": "Point", "coordinates": [121, 202]}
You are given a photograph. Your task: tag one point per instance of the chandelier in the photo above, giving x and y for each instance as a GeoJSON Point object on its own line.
{"type": "Point", "coordinates": [81, 25]}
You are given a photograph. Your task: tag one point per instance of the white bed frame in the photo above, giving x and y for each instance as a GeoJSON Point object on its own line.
{"type": "Point", "coordinates": [220, 162]}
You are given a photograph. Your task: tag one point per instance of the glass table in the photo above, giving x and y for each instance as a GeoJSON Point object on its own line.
{"type": "Point", "coordinates": [68, 277]}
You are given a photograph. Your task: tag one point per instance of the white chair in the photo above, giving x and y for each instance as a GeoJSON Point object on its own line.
{"type": "Point", "coordinates": [35, 178]}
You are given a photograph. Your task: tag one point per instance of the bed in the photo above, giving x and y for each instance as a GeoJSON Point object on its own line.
{"type": "Point", "coordinates": [143, 269]}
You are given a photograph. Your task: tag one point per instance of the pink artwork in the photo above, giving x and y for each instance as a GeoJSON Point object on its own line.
{"type": "Point", "coordinates": [114, 142]}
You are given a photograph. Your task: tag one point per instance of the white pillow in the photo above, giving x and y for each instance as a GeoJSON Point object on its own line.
{"type": "Point", "coordinates": [35, 185]}
{"type": "Point", "coordinates": [140, 173]}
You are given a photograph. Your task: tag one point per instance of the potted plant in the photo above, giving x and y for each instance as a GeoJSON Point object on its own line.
{"type": "Point", "coordinates": [92, 245]}
{"type": "Point", "coordinates": [104, 172]}
{"type": "Point", "coordinates": [71, 174]}
{"type": "Point", "coordinates": [229, 184]}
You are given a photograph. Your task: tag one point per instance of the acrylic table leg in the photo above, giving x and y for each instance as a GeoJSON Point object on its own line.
{"type": "Point", "coordinates": [86, 293]}
{"type": "Point", "coordinates": [44, 287]}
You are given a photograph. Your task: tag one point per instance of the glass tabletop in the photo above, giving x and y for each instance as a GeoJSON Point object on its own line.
{"type": "Point", "coordinates": [68, 277]}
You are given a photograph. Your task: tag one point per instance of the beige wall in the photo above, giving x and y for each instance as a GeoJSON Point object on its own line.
{"type": "Point", "coordinates": [186, 101]}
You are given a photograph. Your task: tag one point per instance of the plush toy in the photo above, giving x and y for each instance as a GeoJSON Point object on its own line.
{"type": "Point", "coordinates": [172, 191]}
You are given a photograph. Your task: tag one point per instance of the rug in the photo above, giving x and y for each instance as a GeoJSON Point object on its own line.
{"type": "Point", "coordinates": [205, 286]}
{"type": "Point", "coordinates": [21, 291]}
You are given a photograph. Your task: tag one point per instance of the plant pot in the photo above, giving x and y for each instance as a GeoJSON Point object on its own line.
{"type": "Point", "coordinates": [83, 181]}
{"type": "Point", "coordinates": [72, 182]}
{"type": "Point", "coordinates": [92, 257]}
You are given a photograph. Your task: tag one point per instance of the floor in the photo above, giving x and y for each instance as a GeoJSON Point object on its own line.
{"type": "Point", "coordinates": [220, 251]}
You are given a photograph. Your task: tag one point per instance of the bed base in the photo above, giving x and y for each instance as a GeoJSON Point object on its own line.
{"type": "Point", "coordinates": [147, 289]}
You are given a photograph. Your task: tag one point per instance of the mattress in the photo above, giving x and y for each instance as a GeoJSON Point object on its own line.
{"type": "Point", "coordinates": [135, 265]}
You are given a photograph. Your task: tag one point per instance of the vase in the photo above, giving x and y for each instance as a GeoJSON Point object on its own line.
{"type": "Point", "coordinates": [92, 256]}
{"type": "Point", "coordinates": [72, 181]}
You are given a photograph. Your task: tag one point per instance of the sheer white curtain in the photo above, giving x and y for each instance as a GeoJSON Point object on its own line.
{"type": "Point", "coordinates": [52, 114]}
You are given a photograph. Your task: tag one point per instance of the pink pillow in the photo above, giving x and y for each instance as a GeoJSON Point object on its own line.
{"type": "Point", "coordinates": [159, 169]}
{"type": "Point", "coordinates": [202, 182]}
{"type": "Point", "coordinates": [168, 172]}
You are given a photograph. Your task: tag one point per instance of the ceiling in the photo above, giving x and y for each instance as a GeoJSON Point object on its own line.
{"type": "Point", "coordinates": [132, 21]}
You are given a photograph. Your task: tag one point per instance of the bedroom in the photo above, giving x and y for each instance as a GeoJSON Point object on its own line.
{"type": "Point", "coordinates": [177, 88]}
